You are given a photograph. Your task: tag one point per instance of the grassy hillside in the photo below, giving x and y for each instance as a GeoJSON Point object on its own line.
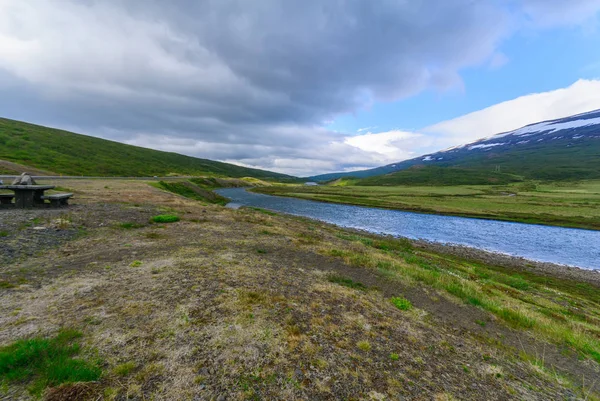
{"type": "Point", "coordinates": [561, 159]}
{"type": "Point", "coordinates": [432, 175]}
{"type": "Point", "coordinates": [67, 153]}
{"type": "Point", "coordinates": [558, 161]}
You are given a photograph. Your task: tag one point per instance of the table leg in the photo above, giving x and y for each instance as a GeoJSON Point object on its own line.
{"type": "Point", "coordinates": [23, 199]}
{"type": "Point", "coordinates": [37, 197]}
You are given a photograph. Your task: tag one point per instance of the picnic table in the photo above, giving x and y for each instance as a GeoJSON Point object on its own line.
{"type": "Point", "coordinates": [28, 195]}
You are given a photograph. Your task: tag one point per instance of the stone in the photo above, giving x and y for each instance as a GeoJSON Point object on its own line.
{"type": "Point", "coordinates": [24, 179]}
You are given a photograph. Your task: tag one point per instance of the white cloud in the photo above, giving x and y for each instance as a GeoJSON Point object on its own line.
{"type": "Point", "coordinates": [582, 96]}
{"type": "Point", "coordinates": [389, 146]}
{"type": "Point", "coordinates": [498, 60]}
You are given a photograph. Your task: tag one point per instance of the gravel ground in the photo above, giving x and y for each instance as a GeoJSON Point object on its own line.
{"type": "Point", "coordinates": [29, 232]}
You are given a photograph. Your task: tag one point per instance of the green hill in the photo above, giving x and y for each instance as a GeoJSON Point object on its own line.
{"type": "Point", "coordinates": [67, 153]}
{"type": "Point", "coordinates": [433, 175]}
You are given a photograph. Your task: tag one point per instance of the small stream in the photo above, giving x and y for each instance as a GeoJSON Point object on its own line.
{"type": "Point", "coordinates": [567, 246]}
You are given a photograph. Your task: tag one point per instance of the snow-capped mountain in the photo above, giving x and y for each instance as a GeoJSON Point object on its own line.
{"type": "Point", "coordinates": [565, 148]}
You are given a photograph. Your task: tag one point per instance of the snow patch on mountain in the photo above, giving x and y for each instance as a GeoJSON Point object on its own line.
{"type": "Point", "coordinates": [550, 127]}
{"type": "Point", "coordinates": [485, 145]}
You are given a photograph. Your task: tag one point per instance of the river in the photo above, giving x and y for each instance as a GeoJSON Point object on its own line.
{"type": "Point", "coordinates": [567, 246]}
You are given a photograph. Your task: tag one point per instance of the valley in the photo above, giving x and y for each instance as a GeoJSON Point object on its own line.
{"type": "Point", "coordinates": [567, 204]}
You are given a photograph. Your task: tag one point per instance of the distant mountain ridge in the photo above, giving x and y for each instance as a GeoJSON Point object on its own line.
{"type": "Point", "coordinates": [560, 149]}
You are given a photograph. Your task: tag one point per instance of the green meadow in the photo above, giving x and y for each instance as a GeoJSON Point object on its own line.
{"type": "Point", "coordinates": [569, 204]}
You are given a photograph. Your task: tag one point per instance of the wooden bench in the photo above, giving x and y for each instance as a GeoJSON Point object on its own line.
{"type": "Point", "coordinates": [6, 199]}
{"type": "Point", "coordinates": [58, 199]}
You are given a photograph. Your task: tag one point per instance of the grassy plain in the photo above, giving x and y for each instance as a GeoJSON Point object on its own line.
{"type": "Point", "coordinates": [248, 304]}
{"type": "Point", "coordinates": [573, 204]}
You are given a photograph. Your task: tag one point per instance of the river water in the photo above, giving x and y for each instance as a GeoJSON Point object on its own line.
{"type": "Point", "coordinates": [567, 246]}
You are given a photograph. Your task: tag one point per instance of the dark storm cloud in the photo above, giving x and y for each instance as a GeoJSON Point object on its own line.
{"type": "Point", "coordinates": [264, 75]}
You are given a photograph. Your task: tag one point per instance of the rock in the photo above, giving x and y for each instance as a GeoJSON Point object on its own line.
{"type": "Point", "coordinates": [24, 179]}
{"type": "Point", "coordinates": [221, 398]}
{"type": "Point", "coordinates": [39, 228]}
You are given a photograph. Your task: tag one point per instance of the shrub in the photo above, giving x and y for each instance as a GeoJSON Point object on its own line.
{"type": "Point", "coordinates": [401, 303]}
{"type": "Point", "coordinates": [165, 218]}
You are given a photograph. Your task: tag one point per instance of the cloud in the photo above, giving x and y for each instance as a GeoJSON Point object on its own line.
{"type": "Point", "coordinates": [556, 12]}
{"type": "Point", "coordinates": [582, 96]}
{"type": "Point", "coordinates": [498, 60]}
{"type": "Point", "coordinates": [251, 82]}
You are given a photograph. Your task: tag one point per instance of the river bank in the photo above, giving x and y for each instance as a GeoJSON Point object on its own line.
{"type": "Point", "coordinates": [247, 304]}
{"type": "Point", "coordinates": [575, 205]}
{"type": "Point", "coordinates": [558, 245]}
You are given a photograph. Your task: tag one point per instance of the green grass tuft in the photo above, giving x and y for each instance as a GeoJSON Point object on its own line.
{"type": "Point", "coordinates": [124, 369]}
{"type": "Point", "coordinates": [46, 362]}
{"type": "Point", "coordinates": [346, 282]}
{"type": "Point", "coordinates": [401, 303]}
{"type": "Point", "coordinates": [165, 218]}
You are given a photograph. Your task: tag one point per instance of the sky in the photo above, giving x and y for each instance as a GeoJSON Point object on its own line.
{"type": "Point", "coordinates": [298, 87]}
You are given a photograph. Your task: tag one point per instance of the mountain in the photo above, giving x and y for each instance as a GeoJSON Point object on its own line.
{"type": "Point", "coordinates": [562, 149]}
{"type": "Point", "coordinates": [62, 152]}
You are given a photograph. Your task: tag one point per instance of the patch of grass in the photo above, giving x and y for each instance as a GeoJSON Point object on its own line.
{"type": "Point", "coordinates": [364, 345]}
{"type": "Point", "coordinates": [518, 283]}
{"type": "Point", "coordinates": [249, 298]}
{"type": "Point", "coordinates": [152, 235]}
{"type": "Point", "coordinates": [394, 356]}
{"type": "Point", "coordinates": [262, 251]}
{"type": "Point", "coordinates": [165, 218]}
{"type": "Point", "coordinates": [346, 282]}
{"type": "Point", "coordinates": [46, 362]}
{"type": "Point", "coordinates": [516, 318]}
{"type": "Point", "coordinates": [401, 303]}
{"type": "Point", "coordinates": [124, 369]}
{"type": "Point", "coordinates": [192, 191]}
{"type": "Point", "coordinates": [263, 211]}
{"type": "Point", "coordinates": [129, 225]}
{"type": "Point", "coordinates": [3, 233]}
{"type": "Point", "coordinates": [6, 284]}
{"type": "Point", "coordinates": [136, 263]}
